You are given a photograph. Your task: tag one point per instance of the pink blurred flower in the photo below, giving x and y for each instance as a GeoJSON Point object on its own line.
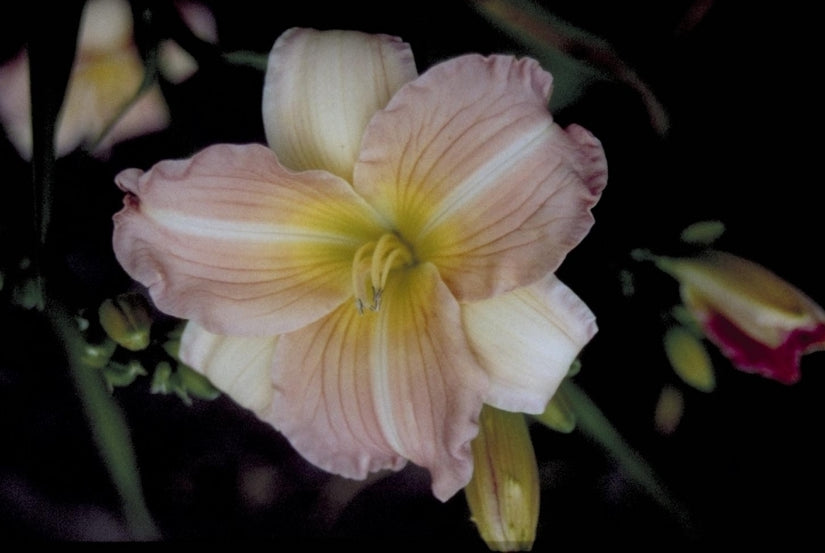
{"type": "Point", "coordinates": [97, 110]}
{"type": "Point", "coordinates": [385, 268]}
{"type": "Point", "coordinates": [759, 321]}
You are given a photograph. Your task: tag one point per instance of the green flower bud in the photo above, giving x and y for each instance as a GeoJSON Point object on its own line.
{"type": "Point", "coordinates": [29, 294]}
{"type": "Point", "coordinates": [558, 415]}
{"type": "Point", "coordinates": [689, 359]}
{"type": "Point", "coordinates": [119, 375]}
{"type": "Point", "coordinates": [160, 378]}
{"type": "Point", "coordinates": [96, 356]}
{"type": "Point", "coordinates": [196, 384]}
{"type": "Point", "coordinates": [126, 319]}
{"type": "Point", "coordinates": [503, 493]}
{"type": "Point", "coordinates": [703, 232]}
{"type": "Point", "coordinates": [172, 347]}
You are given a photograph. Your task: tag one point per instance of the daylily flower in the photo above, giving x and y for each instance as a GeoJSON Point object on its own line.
{"type": "Point", "coordinates": [385, 268]}
{"type": "Point", "coordinates": [758, 320]}
{"type": "Point", "coordinates": [107, 74]}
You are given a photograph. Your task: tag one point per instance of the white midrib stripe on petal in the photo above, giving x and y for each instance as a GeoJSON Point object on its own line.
{"type": "Point", "coordinates": [240, 230]}
{"type": "Point", "coordinates": [381, 390]}
{"type": "Point", "coordinates": [487, 174]}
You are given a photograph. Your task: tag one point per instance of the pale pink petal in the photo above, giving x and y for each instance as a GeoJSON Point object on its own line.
{"type": "Point", "coordinates": [233, 241]}
{"type": "Point", "coordinates": [470, 168]}
{"type": "Point", "coordinates": [177, 64]}
{"type": "Point", "coordinates": [321, 90]}
{"type": "Point", "coordinates": [526, 340]}
{"type": "Point", "coordinates": [238, 366]}
{"type": "Point", "coordinates": [106, 25]}
{"type": "Point", "coordinates": [357, 393]}
{"type": "Point", "coordinates": [15, 104]}
{"type": "Point", "coordinates": [199, 18]}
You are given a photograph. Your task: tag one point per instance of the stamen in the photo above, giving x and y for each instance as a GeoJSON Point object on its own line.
{"type": "Point", "coordinates": [386, 243]}
{"type": "Point", "coordinates": [374, 261]}
{"type": "Point", "coordinates": [359, 275]}
{"type": "Point", "coordinates": [390, 264]}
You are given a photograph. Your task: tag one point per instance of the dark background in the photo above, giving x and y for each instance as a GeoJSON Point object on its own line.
{"type": "Point", "coordinates": [742, 147]}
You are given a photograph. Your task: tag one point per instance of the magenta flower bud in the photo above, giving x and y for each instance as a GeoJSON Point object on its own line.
{"type": "Point", "coordinates": [759, 321]}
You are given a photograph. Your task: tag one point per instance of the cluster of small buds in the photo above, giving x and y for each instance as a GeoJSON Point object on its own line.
{"type": "Point", "coordinates": [127, 323]}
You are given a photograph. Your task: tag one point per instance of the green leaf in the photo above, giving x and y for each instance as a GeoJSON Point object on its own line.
{"type": "Point", "coordinates": [575, 57]}
{"type": "Point", "coordinates": [596, 426]}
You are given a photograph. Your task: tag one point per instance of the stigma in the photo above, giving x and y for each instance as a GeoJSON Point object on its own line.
{"type": "Point", "coordinates": [371, 266]}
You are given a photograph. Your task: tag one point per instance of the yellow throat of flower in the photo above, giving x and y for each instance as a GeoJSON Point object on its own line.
{"type": "Point", "coordinates": [371, 266]}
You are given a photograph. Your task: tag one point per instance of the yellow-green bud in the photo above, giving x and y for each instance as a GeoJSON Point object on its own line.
{"type": "Point", "coordinates": [118, 375]}
{"type": "Point", "coordinates": [689, 359]}
{"type": "Point", "coordinates": [96, 356]}
{"type": "Point", "coordinates": [126, 319]}
{"type": "Point", "coordinates": [161, 377]}
{"type": "Point", "coordinates": [503, 493]}
{"type": "Point", "coordinates": [558, 415]}
{"type": "Point", "coordinates": [703, 232]}
{"type": "Point", "coordinates": [669, 410]}
{"type": "Point", "coordinates": [196, 384]}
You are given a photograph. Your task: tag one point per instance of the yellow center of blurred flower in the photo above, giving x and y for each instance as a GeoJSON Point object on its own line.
{"type": "Point", "coordinates": [113, 78]}
{"type": "Point", "coordinates": [371, 266]}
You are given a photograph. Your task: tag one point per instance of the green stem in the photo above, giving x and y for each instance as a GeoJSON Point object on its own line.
{"type": "Point", "coordinates": [596, 426]}
{"type": "Point", "coordinates": [109, 428]}
{"type": "Point", "coordinates": [51, 52]}
{"type": "Point", "coordinates": [247, 58]}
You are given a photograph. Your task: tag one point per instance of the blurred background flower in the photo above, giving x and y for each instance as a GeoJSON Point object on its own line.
{"type": "Point", "coordinates": [112, 94]}
{"type": "Point", "coordinates": [761, 323]}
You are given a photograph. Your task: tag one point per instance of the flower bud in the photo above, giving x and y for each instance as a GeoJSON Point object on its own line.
{"type": "Point", "coordinates": [689, 359]}
{"type": "Point", "coordinates": [703, 232]}
{"type": "Point", "coordinates": [760, 322]}
{"type": "Point", "coordinates": [669, 409]}
{"type": "Point", "coordinates": [161, 378]}
{"type": "Point", "coordinates": [195, 384]}
{"type": "Point", "coordinates": [118, 375]}
{"type": "Point", "coordinates": [558, 414]}
{"type": "Point", "coordinates": [126, 320]}
{"type": "Point", "coordinates": [96, 356]}
{"type": "Point", "coordinates": [503, 493]}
